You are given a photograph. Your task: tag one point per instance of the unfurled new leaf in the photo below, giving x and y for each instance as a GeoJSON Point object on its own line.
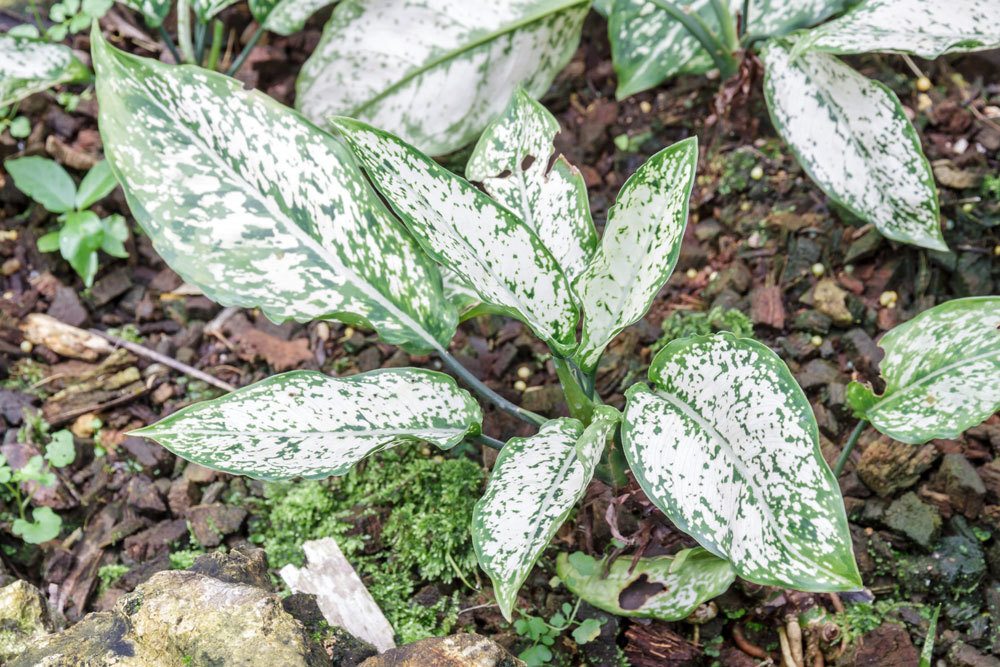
{"type": "Point", "coordinates": [941, 371]}
{"type": "Point", "coordinates": [853, 138]}
{"type": "Point", "coordinates": [29, 66]}
{"type": "Point", "coordinates": [727, 446]}
{"type": "Point", "coordinates": [512, 160]}
{"type": "Point", "coordinates": [306, 424]}
{"type": "Point", "coordinates": [926, 28]}
{"type": "Point", "coordinates": [667, 588]}
{"type": "Point", "coordinates": [535, 483]}
{"type": "Point", "coordinates": [637, 254]}
{"type": "Point", "coordinates": [463, 229]}
{"type": "Point", "coordinates": [259, 208]}
{"type": "Point", "coordinates": [435, 72]}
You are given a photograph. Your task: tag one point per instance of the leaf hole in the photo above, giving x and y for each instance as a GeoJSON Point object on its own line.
{"type": "Point", "coordinates": [637, 594]}
{"type": "Point", "coordinates": [527, 162]}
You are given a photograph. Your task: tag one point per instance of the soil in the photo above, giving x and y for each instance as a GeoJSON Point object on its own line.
{"type": "Point", "coordinates": [819, 286]}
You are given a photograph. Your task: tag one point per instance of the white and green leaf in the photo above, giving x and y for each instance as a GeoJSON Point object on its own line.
{"type": "Point", "coordinates": [639, 250]}
{"type": "Point", "coordinates": [941, 371]}
{"type": "Point", "coordinates": [153, 11]}
{"type": "Point", "coordinates": [29, 66]}
{"type": "Point", "coordinates": [252, 203]}
{"type": "Point", "coordinates": [286, 16]}
{"type": "Point", "coordinates": [727, 446]}
{"type": "Point", "coordinates": [535, 484]}
{"type": "Point", "coordinates": [463, 229]}
{"type": "Point", "coordinates": [512, 160]}
{"type": "Point", "coordinates": [436, 71]}
{"type": "Point", "coordinates": [667, 588]}
{"type": "Point", "coordinates": [206, 9]}
{"type": "Point", "coordinates": [926, 28]}
{"type": "Point", "coordinates": [851, 135]}
{"type": "Point", "coordinates": [307, 424]}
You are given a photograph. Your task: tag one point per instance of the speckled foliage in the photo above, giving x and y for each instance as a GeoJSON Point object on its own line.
{"type": "Point", "coordinates": [727, 446]}
{"type": "Point", "coordinates": [307, 424]}
{"type": "Point", "coordinates": [941, 371]}
{"type": "Point", "coordinates": [639, 250]}
{"type": "Point", "coordinates": [512, 160]}
{"type": "Point", "coordinates": [285, 16]}
{"type": "Point", "coordinates": [29, 66]}
{"type": "Point", "coordinates": [685, 580]}
{"type": "Point", "coordinates": [257, 207]}
{"type": "Point", "coordinates": [459, 226]}
{"type": "Point", "coordinates": [927, 28]}
{"type": "Point", "coordinates": [535, 483]}
{"type": "Point", "coordinates": [153, 11]}
{"type": "Point", "coordinates": [853, 138]}
{"type": "Point", "coordinates": [435, 72]}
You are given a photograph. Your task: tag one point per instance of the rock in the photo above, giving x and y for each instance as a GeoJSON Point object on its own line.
{"type": "Point", "coordinates": [830, 299]}
{"type": "Point", "coordinates": [111, 285]}
{"type": "Point", "coordinates": [812, 321]}
{"type": "Point", "coordinates": [888, 645]}
{"type": "Point", "coordinates": [155, 539]}
{"type": "Point", "coordinates": [990, 476]}
{"type": "Point", "coordinates": [24, 618]}
{"type": "Point", "coordinates": [958, 479]}
{"type": "Point", "coordinates": [887, 466]}
{"type": "Point", "coordinates": [962, 655]}
{"type": "Point", "coordinates": [817, 373]}
{"type": "Point", "coordinates": [210, 523]}
{"type": "Point", "coordinates": [182, 495]}
{"type": "Point", "coordinates": [97, 640]}
{"type": "Point", "coordinates": [992, 596]}
{"type": "Point", "coordinates": [866, 353]}
{"type": "Point", "coordinates": [954, 569]}
{"type": "Point", "coordinates": [144, 497]}
{"type": "Point", "coordinates": [342, 647]}
{"type": "Point", "coordinates": [464, 650]}
{"type": "Point", "coordinates": [767, 307]}
{"type": "Point", "coordinates": [12, 405]}
{"type": "Point", "coordinates": [915, 519]}
{"type": "Point", "coordinates": [66, 307]}
{"type": "Point", "coordinates": [242, 565]}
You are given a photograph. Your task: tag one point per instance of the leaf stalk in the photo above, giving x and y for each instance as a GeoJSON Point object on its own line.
{"type": "Point", "coordinates": [838, 467]}
{"type": "Point", "coordinates": [480, 388]}
{"type": "Point", "coordinates": [245, 53]}
{"type": "Point", "coordinates": [184, 30]}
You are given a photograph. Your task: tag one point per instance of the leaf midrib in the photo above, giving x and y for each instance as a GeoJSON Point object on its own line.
{"type": "Point", "coordinates": [339, 434]}
{"type": "Point", "coordinates": [904, 391]}
{"type": "Point", "coordinates": [455, 53]}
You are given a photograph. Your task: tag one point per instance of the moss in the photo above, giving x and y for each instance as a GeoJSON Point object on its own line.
{"type": "Point", "coordinates": [684, 323]}
{"type": "Point", "coordinates": [182, 559]}
{"type": "Point", "coordinates": [402, 518]}
{"type": "Point", "coordinates": [735, 177]}
{"type": "Point", "coordinates": [109, 574]}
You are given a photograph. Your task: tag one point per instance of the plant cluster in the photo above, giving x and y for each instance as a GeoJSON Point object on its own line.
{"type": "Point", "coordinates": [43, 524]}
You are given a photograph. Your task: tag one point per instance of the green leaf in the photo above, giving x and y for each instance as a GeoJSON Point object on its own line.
{"type": "Point", "coordinates": [43, 180]}
{"type": "Point", "coordinates": [29, 66]}
{"type": "Point", "coordinates": [96, 185]}
{"type": "Point", "coordinates": [460, 227]}
{"type": "Point", "coordinates": [536, 656]}
{"type": "Point", "coordinates": [285, 16]}
{"type": "Point", "coordinates": [727, 446]}
{"type": "Point", "coordinates": [512, 162]}
{"type": "Point", "coordinates": [851, 135]}
{"type": "Point", "coordinates": [60, 452]}
{"type": "Point", "coordinates": [35, 470]}
{"type": "Point", "coordinates": [49, 242]}
{"type": "Point", "coordinates": [667, 588]}
{"type": "Point", "coordinates": [153, 11]}
{"type": "Point", "coordinates": [926, 28]}
{"type": "Point", "coordinates": [206, 9]}
{"type": "Point", "coordinates": [587, 631]}
{"type": "Point", "coordinates": [259, 208]}
{"type": "Point", "coordinates": [20, 127]}
{"type": "Point", "coordinates": [44, 526]}
{"type": "Point", "coordinates": [306, 424]}
{"type": "Point", "coordinates": [535, 484]}
{"type": "Point", "coordinates": [80, 238]}
{"type": "Point", "coordinates": [641, 243]}
{"type": "Point", "coordinates": [941, 371]}
{"type": "Point", "coordinates": [115, 234]}
{"type": "Point", "coordinates": [435, 72]}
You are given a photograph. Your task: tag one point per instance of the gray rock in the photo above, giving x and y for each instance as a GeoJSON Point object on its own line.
{"type": "Point", "coordinates": [465, 650]}
{"type": "Point", "coordinates": [953, 570]}
{"type": "Point", "coordinates": [915, 519]}
{"type": "Point", "coordinates": [242, 565]}
{"type": "Point", "coordinates": [962, 655]}
{"type": "Point", "coordinates": [958, 479]}
{"type": "Point", "coordinates": [887, 466]}
{"type": "Point", "coordinates": [210, 523]}
{"type": "Point", "coordinates": [24, 618]}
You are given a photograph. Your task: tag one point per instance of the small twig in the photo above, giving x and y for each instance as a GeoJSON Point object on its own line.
{"type": "Point", "coordinates": [913, 66]}
{"type": "Point", "coordinates": [165, 360]}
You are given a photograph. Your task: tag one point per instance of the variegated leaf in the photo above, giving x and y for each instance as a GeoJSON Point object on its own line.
{"type": "Point", "coordinates": [206, 9]}
{"type": "Point", "coordinates": [927, 28]}
{"type": "Point", "coordinates": [306, 424]}
{"type": "Point", "coordinates": [641, 243]}
{"type": "Point", "coordinates": [286, 16]}
{"type": "Point", "coordinates": [648, 46]}
{"type": "Point", "coordinates": [29, 66]}
{"type": "Point", "coordinates": [674, 586]}
{"type": "Point", "coordinates": [535, 484]}
{"type": "Point", "coordinates": [851, 135]}
{"type": "Point", "coordinates": [512, 160]}
{"type": "Point", "coordinates": [941, 371]}
{"type": "Point", "coordinates": [436, 71]}
{"type": "Point", "coordinates": [153, 11]}
{"type": "Point", "coordinates": [727, 446]}
{"type": "Point", "coordinates": [257, 207]}
{"type": "Point", "coordinates": [460, 227]}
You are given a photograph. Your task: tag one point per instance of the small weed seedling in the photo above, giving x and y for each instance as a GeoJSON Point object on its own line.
{"type": "Point", "coordinates": [43, 524]}
{"type": "Point", "coordinates": [542, 634]}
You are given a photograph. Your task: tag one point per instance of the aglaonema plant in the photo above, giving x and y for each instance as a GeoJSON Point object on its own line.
{"type": "Point", "coordinates": [849, 133]}
{"type": "Point", "coordinates": [260, 208]}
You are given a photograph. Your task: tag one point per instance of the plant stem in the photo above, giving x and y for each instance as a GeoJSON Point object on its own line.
{"type": "Point", "coordinates": [838, 467]}
{"type": "Point", "coordinates": [199, 41]}
{"type": "Point", "coordinates": [744, 18]}
{"type": "Point", "coordinates": [218, 30]}
{"type": "Point", "coordinates": [487, 441]}
{"type": "Point", "coordinates": [577, 398]}
{"type": "Point", "coordinates": [480, 388]}
{"type": "Point", "coordinates": [727, 25]}
{"type": "Point", "coordinates": [184, 30]}
{"type": "Point", "coordinates": [240, 59]}
{"type": "Point", "coordinates": [170, 44]}
{"type": "Point", "coordinates": [719, 52]}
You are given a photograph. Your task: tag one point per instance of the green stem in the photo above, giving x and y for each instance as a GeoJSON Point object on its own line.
{"type": "Point", "coordinates": [581, 406]}
{"type": "Point", "coordinates": [727, 24]}
{"type": "Point", "coordinates": [245, 53]}
{"type": "Point", "coordinates": [720, 54]}
{"type": "Point", "coordinates": [480, 388]}
{"type": "Point", "coordinates": [218, 30]}
{"type": "Point", "coordinates": [838, 467]}
{"type": "Point", "coordinates": [487, 441]}
{"type": "Point", "coordinates": [744, 18]}
{"type": "Point", "coordinates": [200, 30]}
{"type": "Point", "coordinates": [184, 30]}
{"type": "Point", "coordinates": [170, 44]}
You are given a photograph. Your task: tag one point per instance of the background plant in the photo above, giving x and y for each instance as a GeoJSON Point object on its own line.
{"type": "Point", "coordinates": [42, 524]}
